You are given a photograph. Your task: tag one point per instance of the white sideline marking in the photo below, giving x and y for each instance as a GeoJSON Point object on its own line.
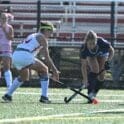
{"type": "Point", "coordinates": [32, 93]}
{"type": "Point", "coordinates": [77, 99]}
{"type": "Point", "coordinates": [73, 116]}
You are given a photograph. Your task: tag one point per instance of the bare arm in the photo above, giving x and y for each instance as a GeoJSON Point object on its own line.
{"type": "Point", "coordinates": [84, 70]}
{"type": "Point", "coordinates": [10, 33]}
{"type": "Point", "coordinates": [111, 53]}
{"type": "Point", "coordinates": [48, 58]}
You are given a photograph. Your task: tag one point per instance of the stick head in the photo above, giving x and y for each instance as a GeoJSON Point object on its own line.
{"type": "Point", "coordinates": [66, 100]}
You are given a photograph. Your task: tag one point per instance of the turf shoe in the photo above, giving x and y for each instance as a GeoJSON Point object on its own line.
{"type": "Point", "coordinates": [7, 98]}
{"type": "Point", "coordinates": [44, 99]}
{"type": "Point", "coordinates": [95, 101]}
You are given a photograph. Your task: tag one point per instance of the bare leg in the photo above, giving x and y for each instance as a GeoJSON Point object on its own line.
{"type": "Point", "coordinates": [101, 61]}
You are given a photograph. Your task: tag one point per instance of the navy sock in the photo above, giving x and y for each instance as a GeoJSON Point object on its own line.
{"type": "Point", "coordinates": [98, 85]}
{"type": "Point", "coordinates": [92, 77]}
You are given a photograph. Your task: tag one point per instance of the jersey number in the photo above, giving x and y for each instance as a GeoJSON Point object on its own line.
{"type": "Point", "coordinates": [26, 41]}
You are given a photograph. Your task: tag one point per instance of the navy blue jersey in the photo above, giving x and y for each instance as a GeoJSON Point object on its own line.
{"type": "Point", "coordinates": [102, 47]}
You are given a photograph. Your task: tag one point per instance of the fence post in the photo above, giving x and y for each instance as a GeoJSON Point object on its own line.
{"type": "Point", "coordinates": [38, 14]}
{"type": "Point", "coordinates": [113, 22]}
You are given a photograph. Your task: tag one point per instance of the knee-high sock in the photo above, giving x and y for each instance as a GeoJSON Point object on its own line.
{"type": "Point", "coordinates": [16, 83]}
{"type": "Point", "coordinates": [44, 85]}
{"type": "Point", "coordinates": [92, 77]}
{"type": "Point", "coordinates": [98, 85]}
{"type": "Point", "coordinates": [8, 78]}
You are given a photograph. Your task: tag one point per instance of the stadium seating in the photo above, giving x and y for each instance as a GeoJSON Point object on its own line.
{"type": "Point", "coordinates": [73, 18]}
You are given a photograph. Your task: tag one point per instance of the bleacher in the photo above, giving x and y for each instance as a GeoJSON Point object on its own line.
{"type": "Point", "coordinates": [73, 18]}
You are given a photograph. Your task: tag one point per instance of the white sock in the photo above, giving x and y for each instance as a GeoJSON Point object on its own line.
{"type": "Point", "coordinates": [8, 78]}
{"type": "Point", "coordinates": [44, 86]}
{"type": "Point", "coordinates": [16, 83]}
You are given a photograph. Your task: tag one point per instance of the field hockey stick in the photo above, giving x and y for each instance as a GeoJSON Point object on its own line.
{"type": "Point", "coordinates": [72, 89]}
{"type": "Point", "coordinates": [67, 100]}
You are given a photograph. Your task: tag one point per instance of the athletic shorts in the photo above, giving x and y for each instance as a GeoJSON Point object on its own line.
{"type": "Point", "coordinates": [22, 59]}
{"type": "Point", "coordinates": [103, 55]}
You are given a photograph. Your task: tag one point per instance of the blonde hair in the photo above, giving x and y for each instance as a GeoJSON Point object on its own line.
{"type": "Point", "coordinates": [90, 36]}
{"type": "Point", "coordinates": [46, 26]}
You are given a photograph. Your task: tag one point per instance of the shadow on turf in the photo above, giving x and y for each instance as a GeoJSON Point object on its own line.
{"type": "Point", "coordinates": [121, 104]}
{"type": "Point", "coordinates": [3, 102]}
{"type": "Point", "coordinates": [69, 103]}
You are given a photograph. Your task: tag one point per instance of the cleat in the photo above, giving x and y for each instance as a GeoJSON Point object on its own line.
{"type": "Point", "coordinates": [7, 98]}
{"type": "Point", "coordinates": [95, 101]}
{"type": "Point", "coordinates": [45, 100]}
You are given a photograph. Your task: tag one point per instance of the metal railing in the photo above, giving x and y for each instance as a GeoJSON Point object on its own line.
{"type": "Point", "coordinates": [107, 10]}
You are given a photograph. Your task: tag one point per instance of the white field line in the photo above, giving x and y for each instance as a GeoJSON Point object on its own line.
{"type": "Point", "coordinates": [58, 94]}
{"type": "Point", "coordinates": [101, 101]}
{"type": "Point", "coordinates": [26, 119]}
{"type": "Point", "coordinates": [74, 116]}
{"type": "Point", "coordinates": [77, 99]}
{"type": "Point", "coordinates": [110, 110]}
{"type": "Point", "coordinates": [81, 100]}
{"type": "Point", "coordinates": [34, 93]}
{"type": "Point", "coordinates": [48, 108]}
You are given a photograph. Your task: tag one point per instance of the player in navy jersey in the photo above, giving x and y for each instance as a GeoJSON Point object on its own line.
{"type": "Point", "coordinates": [96, 53]}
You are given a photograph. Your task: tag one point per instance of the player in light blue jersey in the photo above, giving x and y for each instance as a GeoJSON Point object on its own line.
{"type": "Point", "coordinates": [24, 58]}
